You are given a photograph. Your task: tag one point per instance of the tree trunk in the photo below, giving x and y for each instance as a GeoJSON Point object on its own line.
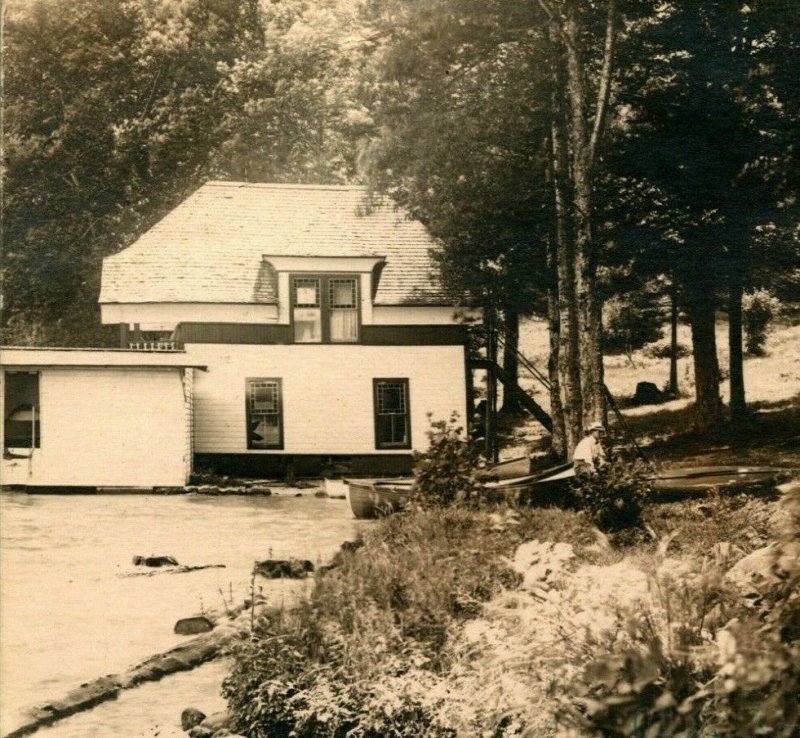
{"type": "Point", "coordinates": [673, 346]}
{"type": "Point", "coordinates": [708, 405]}
{"type": "Point", "coordinates": [591, 357]}
{"type": "Point", "coordinates": [738, 404]}
{"type": "Point", "coordinates": [491, 385]}
{"type": "Point", "coordinates": [511, 405]}
{"type": "Point", "coordinates": [558, 441]}
{"type": "Point", "coordinates": [568, 350]}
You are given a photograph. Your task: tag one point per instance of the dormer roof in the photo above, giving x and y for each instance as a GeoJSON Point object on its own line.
{"type": "Point", "coordinates": [215, 246]}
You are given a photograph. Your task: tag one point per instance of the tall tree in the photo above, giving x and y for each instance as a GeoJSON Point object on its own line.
{"type": "Point", "coordinates": [696, 133]}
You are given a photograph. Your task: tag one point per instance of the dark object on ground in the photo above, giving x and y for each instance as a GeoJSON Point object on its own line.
{"type": "Point", "coordinates": [180, 569]}
{"type": "Point", "coordinates": [648, 393]}
{"type": "Point", "coordinates": [193, 625]}
{"type": "Point", "coordinates": [154, 561]}
{"type": "Point", "coordinates": [284, 568]}
{"type": "Point", "coordinates": [190, 717]}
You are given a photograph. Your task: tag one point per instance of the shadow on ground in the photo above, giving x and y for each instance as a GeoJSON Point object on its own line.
{"type": "Point", "coordinates": [771, 437]}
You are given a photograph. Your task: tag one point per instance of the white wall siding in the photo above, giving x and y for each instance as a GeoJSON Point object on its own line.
{"type": "Point", "coordinates": [165, 316]}
{"type": "Point", "coordinates": [410, 315]}
{"type": "Point", "coordinates": [108, 428]}
{"type": "Point", "coordinates": [327, 393]}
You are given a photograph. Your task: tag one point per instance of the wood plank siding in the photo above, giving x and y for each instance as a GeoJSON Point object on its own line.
{"type": "Point", "coordinates": [109, 427]}
{"type": "Point", "coordinates": [327, 393]}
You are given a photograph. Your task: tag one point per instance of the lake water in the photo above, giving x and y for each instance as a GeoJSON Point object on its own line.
{"type": "Point", "coordinates": [70, 611]}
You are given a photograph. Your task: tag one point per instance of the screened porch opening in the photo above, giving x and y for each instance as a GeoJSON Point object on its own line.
{"type": "Point", "coordinates": [22, 416]}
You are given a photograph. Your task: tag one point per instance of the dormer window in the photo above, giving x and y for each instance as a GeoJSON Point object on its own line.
{"type": "Point", "coordinates": [325, 309]}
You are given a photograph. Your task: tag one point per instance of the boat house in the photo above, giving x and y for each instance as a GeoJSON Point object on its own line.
{"type": "Point", "coordinates": [95, 418]}
{"type": "Point", "coordinates": [328, 341]}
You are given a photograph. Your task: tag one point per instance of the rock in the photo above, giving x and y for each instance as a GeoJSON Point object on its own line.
{"type": "Point", "coordinates": [542, 564]}
{"type": "Point", "coordinates": [193, 625]}
{"type": "Point", "coordinates": [258, 490]}
{"type": "Point", "coordinates": [190, 717]}
{"type": "Point", "coordinates": [284, 568]}
{"type": "Point", "coordinates": [767, 564]}
{"type": "Point", "coordinates": [320, 493]}
{"type": "Point", "coordinates": [200, 731]}
{"type": "Point", "coordinates": [86, 696]}
{"type": "Point", "coordinates": [648, 393]}
{"type": "Point", "coordinates": [217, 721]}
{"type": "Point", "coordinates": [155, 561]}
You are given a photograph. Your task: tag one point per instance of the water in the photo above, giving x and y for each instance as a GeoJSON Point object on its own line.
{"type": "Point", "coordinates": [69, 612]}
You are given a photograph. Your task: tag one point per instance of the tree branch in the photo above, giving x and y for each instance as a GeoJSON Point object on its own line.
{"type": "Point", "coordinates": [604, 87]}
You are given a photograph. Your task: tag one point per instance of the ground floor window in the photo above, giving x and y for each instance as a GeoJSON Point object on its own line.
{"type": "Point", "coordinates": [264, 414]}
{"type": "Point", "coordinates": [22, 417]}
{"type": "Point", "coordinates": [392, 417]}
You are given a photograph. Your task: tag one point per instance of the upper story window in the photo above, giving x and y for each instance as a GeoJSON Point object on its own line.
{"type": "Point", "coordinates": [325, 309]}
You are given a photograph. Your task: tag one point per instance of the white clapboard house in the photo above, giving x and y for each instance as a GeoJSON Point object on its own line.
{"type": "Point", "coordinates": [327, 340]}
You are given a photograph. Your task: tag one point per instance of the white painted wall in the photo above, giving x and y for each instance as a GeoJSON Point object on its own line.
{"type": "Point", "coordinates": [407, 315]}
{"type": "Point", "coordinates": [108, 427]}
{"type": "Point", "coordinates": [165, 316]}
{"type": "Point", "coordinates": [327, 393]}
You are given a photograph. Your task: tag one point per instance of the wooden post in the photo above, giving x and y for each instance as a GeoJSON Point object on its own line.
{"type": "Point", "coordinates": [491, 386]}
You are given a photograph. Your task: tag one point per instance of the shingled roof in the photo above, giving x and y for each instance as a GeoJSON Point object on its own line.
{"type": "Point", "coordinates": [211, 247]}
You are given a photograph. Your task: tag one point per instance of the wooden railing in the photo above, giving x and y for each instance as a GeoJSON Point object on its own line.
{"type": "Point", "coordinates": [155, 345]}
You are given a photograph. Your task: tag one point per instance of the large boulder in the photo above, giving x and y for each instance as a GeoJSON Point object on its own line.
{"type": "Point", "coordinates": [193, 625]}
{"type": "Point", "coordinates": [765, 565]}
{"type": "Point", "coordinates": [648, 393]}
{"type": "Point", "coordinates": [284, 568]}
{"type": "Point", "coordinates": [190, 717]}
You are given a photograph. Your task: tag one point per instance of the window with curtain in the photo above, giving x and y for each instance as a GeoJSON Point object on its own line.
{"type": "Point", "coordinates": [264, 414]}
{"type": "Point", "coordinates": [343, 307]}
{"type": "Point", "coordinates": [307, 310]}
{"type": "Point", "coordinates": [325, 309]}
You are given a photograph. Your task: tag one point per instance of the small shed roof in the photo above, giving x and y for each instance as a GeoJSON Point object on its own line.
{"type": "Point", "coordinates": [24, 356]}
{"type": "Point", "coordinates": [211, 248]}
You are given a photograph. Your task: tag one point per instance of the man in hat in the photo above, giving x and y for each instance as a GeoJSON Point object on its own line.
{"type": "Point", "coordinates": [589, 453]}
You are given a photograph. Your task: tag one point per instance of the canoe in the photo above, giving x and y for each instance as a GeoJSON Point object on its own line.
{"type": "Point", "coordinates": [703, 478]}
{"type": "Point", "coordinates": [509, 469]}
{"type": "Point", "coordinates": [545, 485]}
{"type": "Point", "coordinates": [375, 498]}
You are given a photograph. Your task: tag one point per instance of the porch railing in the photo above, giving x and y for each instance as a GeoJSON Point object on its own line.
{"type": "Point", "coordinates": [155, 345]}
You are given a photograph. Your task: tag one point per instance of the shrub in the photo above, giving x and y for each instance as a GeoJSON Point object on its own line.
{"type": "Point", "coordinates": [724, 664]}
{"type": "Point", "coordinates": [662, 350]}
{"type": "Point", "coordinates": [759, 309]}
{"type": "Point", "coordinates": [613, 496]}
{"type": "Point", "coordinates": [444, 474]}
{"type": "Point", "coordinates": [367, 655]}
{"type": "Point", "coordinates": [630, 323]}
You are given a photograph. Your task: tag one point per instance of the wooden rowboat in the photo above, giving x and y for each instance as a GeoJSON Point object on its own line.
{"type": "Point", "coordinates": [375, 498]}
{"type": "Point", "coordinates": [679, 481]}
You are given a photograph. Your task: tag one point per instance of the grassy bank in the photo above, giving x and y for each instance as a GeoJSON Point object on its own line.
{"type": "Point", "coordinates": [458, 622]}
